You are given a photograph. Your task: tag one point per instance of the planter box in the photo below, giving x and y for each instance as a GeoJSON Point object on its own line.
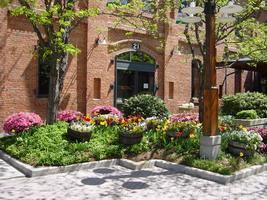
{"type": "Point", "coordinates": [130, 138]}
{"type": "Point", "coordinates": [261, 123]}
{"type": "Point", "coordinates": [78, 136]}
{"type": "Point", "coordinates": [236, 148]}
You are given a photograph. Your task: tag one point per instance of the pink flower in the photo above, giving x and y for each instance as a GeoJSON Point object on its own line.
{"type": "Point", "coordinates": [22, 121]}
{"type": "Point", "coordinates": [101, 110]}
{"type": "Point", "coordinates": [184, 117]}
{"type": "Point", "coordinates": [68, 115]}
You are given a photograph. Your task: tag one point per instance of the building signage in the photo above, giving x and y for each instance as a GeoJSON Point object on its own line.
{"type": "Point", "coordinates": [136, 46]}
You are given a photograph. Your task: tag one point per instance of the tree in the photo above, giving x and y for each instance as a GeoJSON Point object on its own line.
{"type": "Point", "coordinates": [252, 40]}
{"type": "Point", "coordinates": [225, 35]}
{"type": "Point", "coordinates": [53, 21]}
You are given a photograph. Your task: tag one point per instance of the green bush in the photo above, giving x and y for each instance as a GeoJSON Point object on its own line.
{"type": "Point", "coordinates": [247, 114]}
{"type": "Point", "coordinates": [233, 104]}
{"type": "Point", "coordinates": [145, 105]}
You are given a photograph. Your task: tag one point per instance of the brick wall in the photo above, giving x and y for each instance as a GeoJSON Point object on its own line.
{"type": "Point", "coordinates": [18, 65]}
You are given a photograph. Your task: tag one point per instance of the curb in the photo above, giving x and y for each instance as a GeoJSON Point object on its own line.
{"type": "Point", "coordinates": [30, 171]}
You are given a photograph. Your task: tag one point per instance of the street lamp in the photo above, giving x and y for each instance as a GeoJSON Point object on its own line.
{"type": "Point", "coordinates": [210, 141]}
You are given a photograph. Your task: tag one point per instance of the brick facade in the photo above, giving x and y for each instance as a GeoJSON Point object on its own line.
{"type": "Point", "coordinates": [19, 71]}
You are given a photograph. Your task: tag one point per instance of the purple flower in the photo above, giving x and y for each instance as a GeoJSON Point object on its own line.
{"type": "Point", "coordinates": [22, 121]}
{"type": "Point", "coordinates": [68, 115]}
{"type": "Point", "coordinates": [263, 148]}
{"type": "Point", "coordinates": [261, 131]}
{"type": "Point", "coordinates": [184, 117]}
{"type": "Point", "coordinates": [102, 110]}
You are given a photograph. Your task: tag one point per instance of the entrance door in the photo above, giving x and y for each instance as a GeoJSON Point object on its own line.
{"type": "Point", "coordinates": [133, 76]}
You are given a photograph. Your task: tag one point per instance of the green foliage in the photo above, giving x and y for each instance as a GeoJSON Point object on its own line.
{"type": "Point", "coordinates": [247, 114]}
{"type": "Point", "coordinates": [225, 164]}
{"type": "Point", "coordinates": [146, 106]}
{"type": "Point", "coordinates": [250, 139]}
{"type": "Point", "coordinates": [251, 39]}
{"type": "Point", "coordinates": [233, 104]}
{"type": "Point", "coordinates": [227, 120]}
{"type": "Point", "coordinates": [210, 165]}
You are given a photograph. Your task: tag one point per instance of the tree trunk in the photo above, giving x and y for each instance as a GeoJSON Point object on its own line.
{"type": "Point", "coordinates": [201, 92]}
{"type": "Point", "coordinates": [57, 75]}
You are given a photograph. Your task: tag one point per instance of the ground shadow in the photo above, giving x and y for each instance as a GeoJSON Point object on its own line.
{"type": "Point", "coordinates": [104, 171]}
{"type": "Point", "coordinates": [135, 185]}
{"type": "Point", "coordinates": [93, 181]}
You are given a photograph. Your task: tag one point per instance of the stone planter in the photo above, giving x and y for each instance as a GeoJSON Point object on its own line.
{"type": "Point", "coordinates": [261, 123]}
{"type": "Point", "coordinates": [78, 136]}
{"type": "Point", "coordinates": [236, 148]}
{"type": "Point", "coordinates": [130, 138]}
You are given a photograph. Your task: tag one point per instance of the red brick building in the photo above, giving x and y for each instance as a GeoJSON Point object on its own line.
{"type": "Point", "coordinates": [102, 74]}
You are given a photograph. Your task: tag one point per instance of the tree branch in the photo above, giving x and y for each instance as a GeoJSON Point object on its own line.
{"type": "Point", "coordinates": [35, 28]}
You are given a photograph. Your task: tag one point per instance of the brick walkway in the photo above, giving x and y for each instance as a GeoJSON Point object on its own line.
{"type": "Point", "coordinates": [120, 183]}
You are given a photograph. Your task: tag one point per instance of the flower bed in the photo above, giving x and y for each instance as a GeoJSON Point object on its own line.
{"type": "Point", "coordinates": [48, 144]}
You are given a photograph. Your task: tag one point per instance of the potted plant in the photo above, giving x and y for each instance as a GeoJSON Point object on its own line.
{"type": "Point", "coordinates": [242, 141]}
{"type": "Point", "coordinates": [80, 131]}
{"type": "Point", "coordinates": [181, 129]}
{"type": "Point", "coordinates": [153, 123]}
{"type": "Point", "coordinates": [106, 120]}
{"type": "Point", "coordinates": [131, 133]}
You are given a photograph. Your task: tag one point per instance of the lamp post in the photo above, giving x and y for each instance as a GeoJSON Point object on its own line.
{"type": "Point", "coordinates": [210, 141]}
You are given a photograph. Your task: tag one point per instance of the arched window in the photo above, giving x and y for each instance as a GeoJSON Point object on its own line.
{"type": "Point", "coordinates": [136, 56]}
{"type": "Point", "coordinates": [147, 4]}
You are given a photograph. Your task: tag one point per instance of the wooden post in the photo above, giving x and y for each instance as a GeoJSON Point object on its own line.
{"type": "Point", "coordinates": [210, 120]}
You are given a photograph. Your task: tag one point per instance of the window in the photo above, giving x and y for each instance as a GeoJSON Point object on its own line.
{"type": "Point", "coordinates": [136, 56]}
{"type": "Point", "coordinates": [171, 90]}
{"type": "Point", "coordinates": [43, 77]}
{"type": "Point", "coordinates": [147, 4]}
{"type": "Point", "coordinates": [97, 88]}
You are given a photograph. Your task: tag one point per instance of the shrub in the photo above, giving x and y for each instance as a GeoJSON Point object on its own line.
{"type": "Point", "coordinates": [68, 115]}
{"type": "Point", "coordinates": [145, 105]}
{"type": "Point", "coordinates": [22, 121]}
{"type": "Point", "coordinates": [233, 104]}
{"type": "Point", "coordinates": [184, 117]}
{"type": "Point", "coordinates": [102, 110]}
{"type": "Point", "coordinates": [247, 114]}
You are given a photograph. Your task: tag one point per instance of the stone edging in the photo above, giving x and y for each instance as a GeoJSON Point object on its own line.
{"type": "Point", "coordinates": [30, 171]}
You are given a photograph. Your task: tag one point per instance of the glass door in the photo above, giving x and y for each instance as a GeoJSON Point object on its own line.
{"type": "Point", "coordinates": [130, 83]}
{"type": "Point", "coordinates": [134, 73]}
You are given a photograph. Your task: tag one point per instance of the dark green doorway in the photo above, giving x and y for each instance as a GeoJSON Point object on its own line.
{"type": "Point", "coordinates": [135, 74]}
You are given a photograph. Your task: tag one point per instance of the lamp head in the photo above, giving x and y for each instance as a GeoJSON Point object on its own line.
{"type": "Point", "coordinates": [190, 19]}
{"type": "Point", "coordinates": [224, 18]}
{"type": "Point", "coordinates": [192, 9]}
{"type": "Point", "coordinates": [231, 8]}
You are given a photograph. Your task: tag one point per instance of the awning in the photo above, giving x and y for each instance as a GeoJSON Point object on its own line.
{"type": "Point", "coordinates": [245, 64]}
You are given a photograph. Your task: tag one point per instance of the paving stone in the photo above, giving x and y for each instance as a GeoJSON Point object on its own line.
{"type": "Point", "coordinates": [7, 171]}
{"type": "Point", "coordinates": [121, 183]}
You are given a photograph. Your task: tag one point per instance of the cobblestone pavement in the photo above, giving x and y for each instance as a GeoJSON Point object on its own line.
{"type": "Point", "coordinates": [7, 172]}
{"type": "Point", "coordinates": [119, 183]}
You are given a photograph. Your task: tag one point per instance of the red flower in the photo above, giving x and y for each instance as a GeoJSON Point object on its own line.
{"type": "Point", "coordinates": [179, 133]}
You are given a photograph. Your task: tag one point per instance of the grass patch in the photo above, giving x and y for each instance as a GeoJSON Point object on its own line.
{"type": "Point", "coordinates": [48, 146]}
{"type": "Point", "coordinates": [226, 164]}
